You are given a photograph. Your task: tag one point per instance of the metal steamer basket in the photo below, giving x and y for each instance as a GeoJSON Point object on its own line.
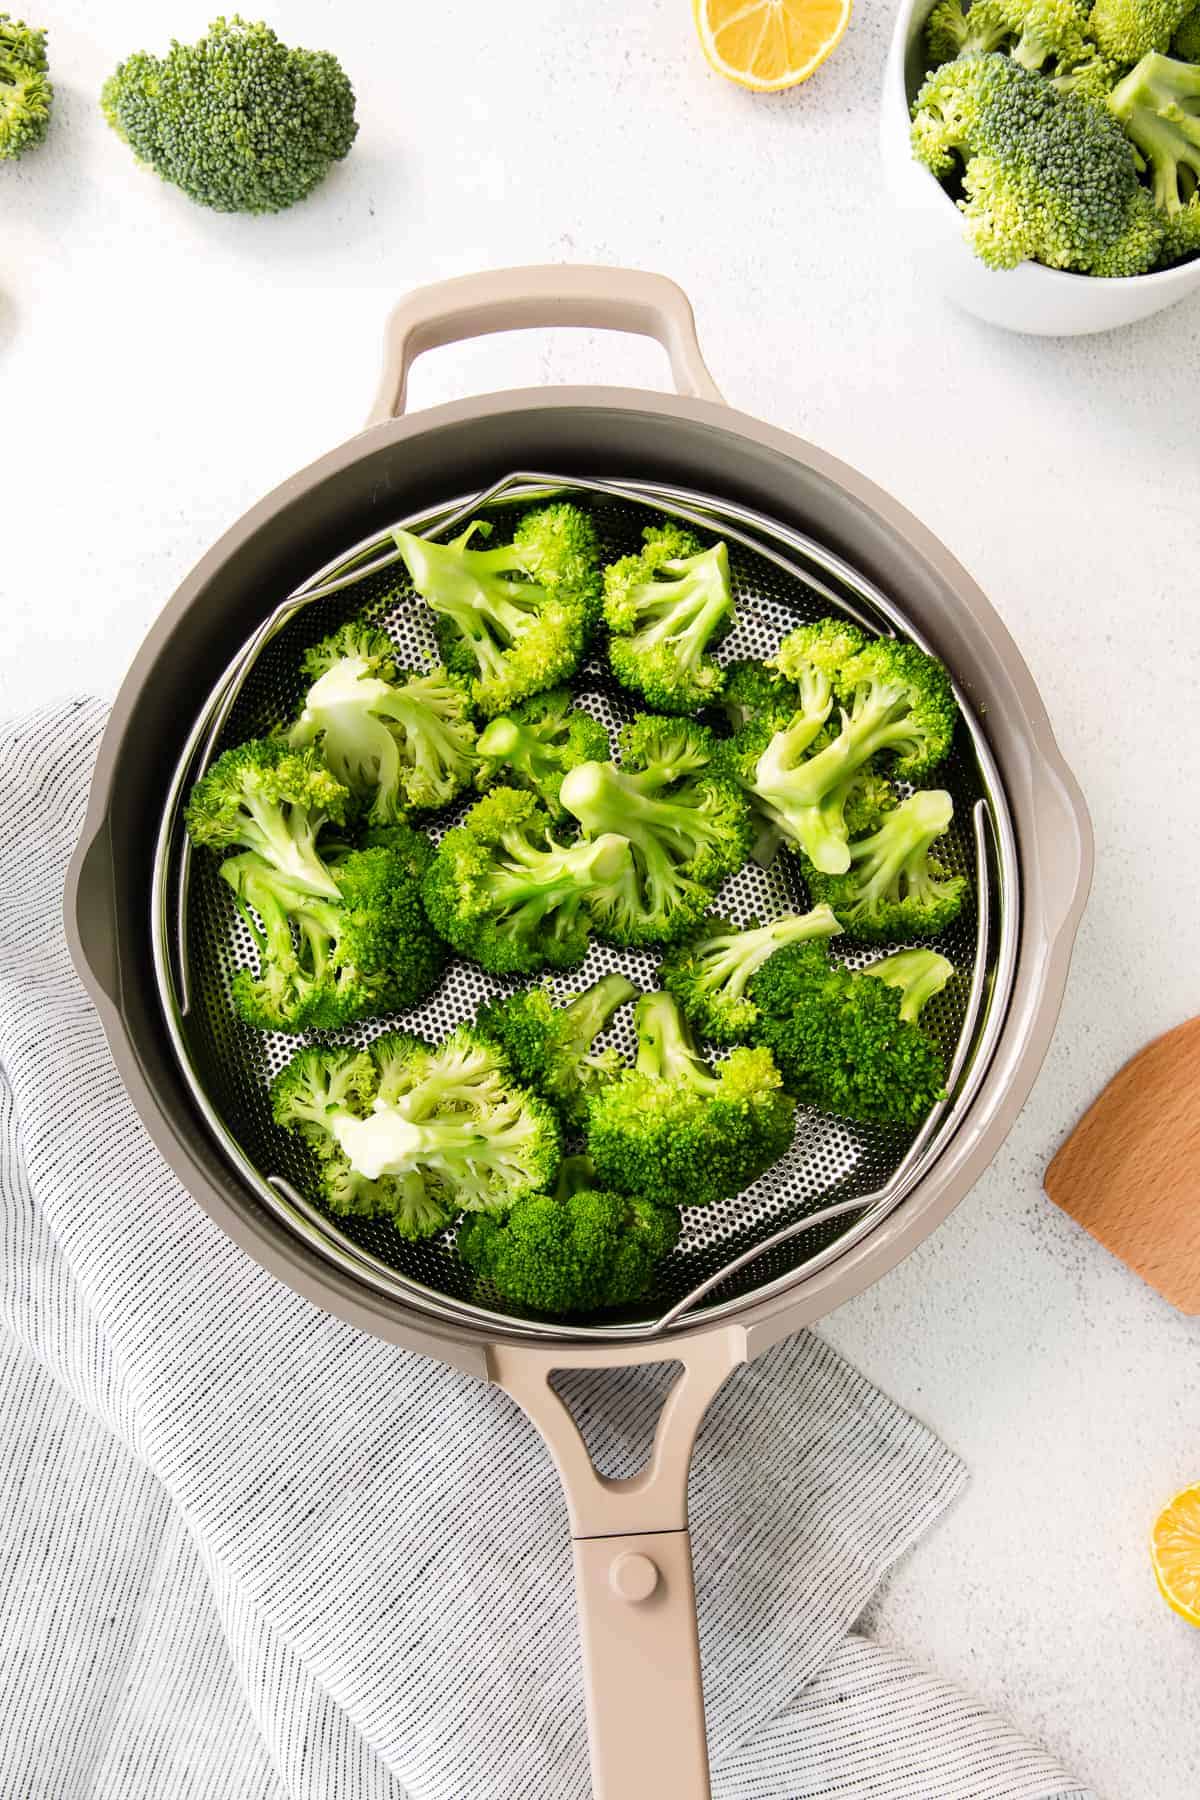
{"type": "Point", "coordinates": [156, 935]}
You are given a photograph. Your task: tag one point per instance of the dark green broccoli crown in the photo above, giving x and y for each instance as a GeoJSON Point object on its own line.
{"type": "Point", "coordinates": [1048, 176]}
{"type": "Point", "coordinates": [1127, 30]}
{"type": "Point", "coordinates": [238, 121]}
{"type": "Point", "coordinates": [558, 548]}
{"type": "Point", "coordinates": [757, 694]}
{"type": "Point", "coordinates": [709, 974]}
{"type": "Point", "coordinates": [503, 891]}
{"type": "Point", "coordinates": [665, 752]}
{"type": "Point", "coordinates": [666, 608]}
{"type": "Point", "coordinates": [675, 1128]}
{"type": "Point", "coordinates": [550, 1047]}
{"type": "Point", "coordinates": [1158, 103]}
{"type": "Point", "coordinates": [840, 1042]}
{"type": "Point", "coordinates": [355, 641]}
{"type": "Point", "coordinates": [266, 796]}
{"type": "Point", "coordinates": [1186, 42]}
{"type": "Point", "coordinates": [581, 1253]}
{"type": "Point", "coordinates": [535, 744]}
{"type": "Point", "coordinates": [506, 633]}
{"type": "Point", "coordinates": [26, 94]}
{"type": "Point", "coordinates": [894, 888]}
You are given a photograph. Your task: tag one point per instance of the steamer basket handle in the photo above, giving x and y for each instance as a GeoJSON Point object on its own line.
{"type": "Point", "coordinates": [522, 299]}
{"type": "Point", "coordinates": [633, 1564]}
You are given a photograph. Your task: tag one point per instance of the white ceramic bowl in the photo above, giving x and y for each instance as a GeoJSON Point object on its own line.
{"type": "Point", "coordinates": [1030, 298]}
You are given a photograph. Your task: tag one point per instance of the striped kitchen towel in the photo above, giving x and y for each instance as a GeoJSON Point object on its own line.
{"type": "Point", "coordinates": [251, 1554]}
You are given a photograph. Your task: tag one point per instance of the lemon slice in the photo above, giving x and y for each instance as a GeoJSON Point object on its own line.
{"type": "Point", "coordinates": [769, 44]}
{"type": "Point", "coordinates": [1175, 1549]}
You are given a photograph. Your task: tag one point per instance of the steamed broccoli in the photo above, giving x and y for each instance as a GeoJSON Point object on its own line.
{"type": "Point", "coordinates": [1158, 103]}
{"type": "Point", "coordinates": [25, 90]}
{"type": "Point", "coordinates": [512, 620]}
{"type": "Point", "coordinates": [324, 962]}
{"type": "Point", "coordinates": [895, 700]}
{"type": "Point", "coordinates": [755, 693]}
{"type": "Point", "coordinates": [710, 972]}
{"type": "Point", "coordinates": [505, 892]}
{"type": "Point", "coordinates": [417, 1134]}
{"type": "Point", "coordinates": [839, 1040]}
{"type": "Point", "coordinates": [917, 975]}
{"type": "Point", "coordinates": [1046, 176]}
{"type": "Point", "coordinates": [534, 746]}
{"type": "Point", "coordinates": [1039, 34]}
{"type": "Point", "coordinates": [665, 608]}
{"type": "Point", "coordinates": [674, 1128]}
{"type": "Point", "coordinates": [549, 1047]}
{"type": "Point", "coordinates": [265, 796]}
{"type": "Point", "coordinates": [395, 739]}
{"type": "Point", "coordinates": [893, 887]}
{"type": "Point", "coordinates": [1126, 30]}
{"type": "Point", "coordinates": [578, 1250]}
{"type": "Point", "coordinates": [687, 827]}
{"type": "Point", "coordinates": [238, 120]}
{"type": "Point", "coordinates": [1186, 42]}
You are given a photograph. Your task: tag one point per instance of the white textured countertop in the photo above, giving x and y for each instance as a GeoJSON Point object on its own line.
{"type": "Point", "coordinates": [163, 367]}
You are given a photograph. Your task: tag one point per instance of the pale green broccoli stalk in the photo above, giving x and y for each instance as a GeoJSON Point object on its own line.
{"type": "Point", "coordinates": [687, 828]}
{"type": "Point", "coordinates": [894, 888]}
{"type": "Point", "coordinates": [1186, 42]}
{"type": "Point", "coordinates": [238, 121]}
{"type": "Point", "coordinates": [709, 974]}
{"type": "Point", "coordinates": [679, 1130]}
{"type": "Point", "coordinates": [578, 1250]}
{"type": "Point", "coordinates": [896, 700]}
{"type": "Point", "coordinates": [503, 891]}
{"type": "Point", "coordinates": [665, 608]}
{"type": "Point", "coordinates": [839, 1041]}
{"type": "Point", "coordinates": [26, 94]}
{"type": "Point", "coordinates": [324, 962]}
{"type": "Point", "coordinates": [1046, 176]}
{"type": "Point", "coordinates": [1158, 103]}
{"type": "Point", "coordinates": [265, 796]}
{"type": "Point", "coordinates": [417, 1134]}
{"type": "Point", "coordinates": [512, 620]}
{"type": "Point", "coordinates": [551, 1048]}
{"type": "Point", "coordinates": [537, 743]}
{"type": "Point", "coordinates": [1127, 30]}
{"type": "Point", "coordinates": [917, 975]}
{"type": "Point", "coordinates": [396, 739]}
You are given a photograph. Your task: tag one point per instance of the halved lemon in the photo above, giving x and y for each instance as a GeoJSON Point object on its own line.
{"type": "Point", "coordinates": [769, 44]}
{"type": "Point", "coordinates": [1175, 1548]}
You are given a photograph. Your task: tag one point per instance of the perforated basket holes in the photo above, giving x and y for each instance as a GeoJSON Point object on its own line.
{"type": "Point", "coordinates": [829, 1159]}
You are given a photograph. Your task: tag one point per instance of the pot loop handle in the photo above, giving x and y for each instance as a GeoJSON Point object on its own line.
{"type": "Point", "coordinates": [595, 298]}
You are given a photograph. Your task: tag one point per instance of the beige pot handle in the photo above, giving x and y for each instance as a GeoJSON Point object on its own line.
{"type": "Point", "coordinates": [633, 1565]}
{"type": "Point", "coordinates": [521, 299]}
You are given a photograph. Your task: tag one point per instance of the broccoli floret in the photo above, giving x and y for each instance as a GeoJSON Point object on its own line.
{"type": "Point", "coordinates": [1181, 235]}
{"type": "Point", "coordinates": [677, 1129]}
{"type": "Point", "coordinates": [710, 972]}
{"type": "Point", "coordinates": [954, 29]}
{"type": "Point", "coordinates": [665, 609]}
{"type": "Point", "coordinates": [1158, 103]}
{"type": "Point", "coordinates": [839, 1041]}
{"type": "Point", "coordinates": [894, 888]}
{"type": "Point", "coordinates": [511, 620]}
{"type": "Point", "coordinates": [503, 891]}
{"type": "Point", "coordinates": [25, 90]}
{"type": "Point", "coordinates": [418, 1134]}
{"type": "Point", "coordinates": [1127, 30]}
{"type": "Point", "coordinates": [238, 121]}
{"type": "Point", "coordinates": [267, 797]}
{"type": "Point", "coordinates": [755, 693]}
{"type": "Point", "coordinates": [896, 700]}
{"type": "Point", "coordinates": [1186, 42]}
{"type": "Point", "coordinates": [1039, 34]}
{"type": "Point", "coordinates": [578, 1250]}
{"type": "Point", "coordinates": [687, 827]}
{"type": "Point", "coordinates": [917, 975]}
{"type": "Point", "coordinates": [549, 1047]}
{"type": "Point", "coordinates": [1046, 176]}
{"type": "Point", "coordinates": [324, 962]}
{"type": "Point", "coordinates": [396, 739]}
{"type": "Point", "coordinates": [537, 743]}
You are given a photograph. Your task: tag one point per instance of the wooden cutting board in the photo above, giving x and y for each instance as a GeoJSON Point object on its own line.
{"type": "Point", "coordinates": [1130, 1171]}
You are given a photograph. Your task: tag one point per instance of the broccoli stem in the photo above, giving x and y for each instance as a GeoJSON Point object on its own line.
{"type": "Point", "coordinates": [388, 1143]}
{"type": "Point", "coordinates": [525, 752]}
{"type": "Point", "coordinates": [665, 1047]}
{"type": "Point", "coordinates": [732, 959]}
{"type": "Point", "coordinates": [590, 1012]}
{"type": "Point", "coordinates": [285, 835]}
{"type": "Point", "coordinates": [894, 856]}
{"type": "Point", "coordinates": [604, 798]}
{"type": "Point", "coordinates": [919, 975]}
